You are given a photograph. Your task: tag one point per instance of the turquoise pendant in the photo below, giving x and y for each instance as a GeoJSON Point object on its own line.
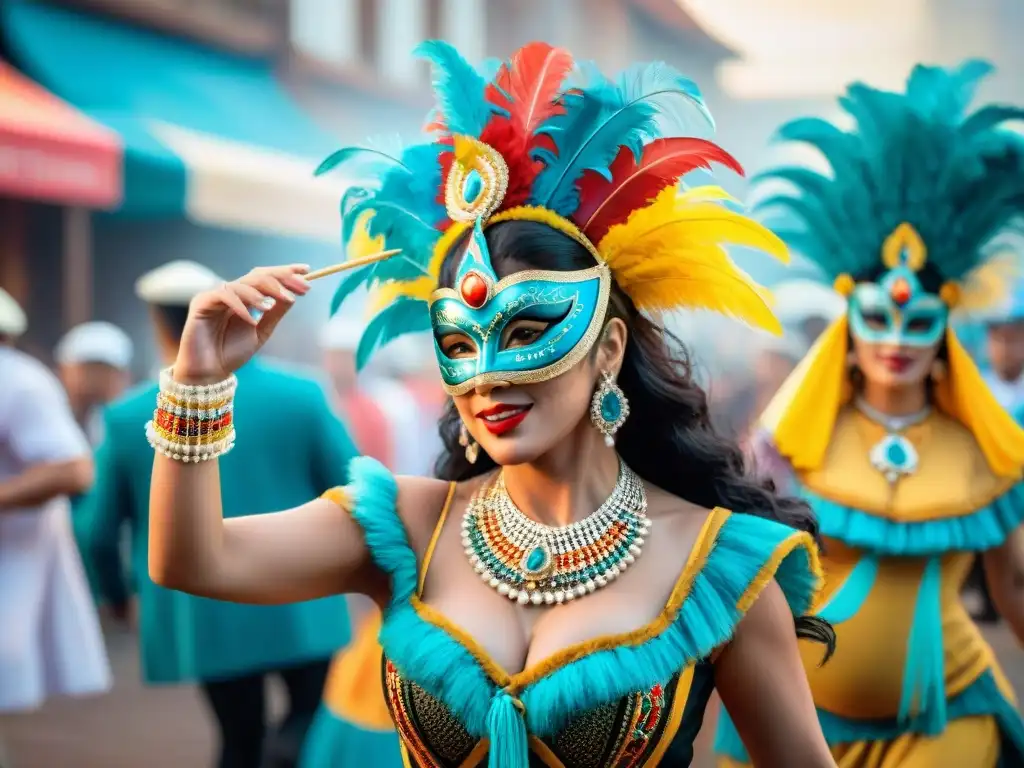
{"type": "Point", "coordinates": [536, 561]}
{"type": "Point", "coordinates": [895, 457]}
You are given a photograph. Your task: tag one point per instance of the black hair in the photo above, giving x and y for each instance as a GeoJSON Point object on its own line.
{"type": "Point", "coordinates": [172, 319]}
{"type": "Point", "coordinates": [668, 438]}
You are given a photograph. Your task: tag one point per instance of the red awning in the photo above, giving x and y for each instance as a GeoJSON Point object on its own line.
{"type": "Point", "coordinates": [52, 152]}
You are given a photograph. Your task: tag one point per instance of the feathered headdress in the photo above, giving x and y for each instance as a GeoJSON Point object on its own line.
{"type": "Point", "coordinates": [916, 192]}
{"type": "Point", "coordinates": [594, 158]}
{"type": "Point", "coordinates": [919, 171]}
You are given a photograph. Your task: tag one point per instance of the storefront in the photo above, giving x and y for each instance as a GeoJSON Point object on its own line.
{"type": "Point", "coordinates": [199, 136]}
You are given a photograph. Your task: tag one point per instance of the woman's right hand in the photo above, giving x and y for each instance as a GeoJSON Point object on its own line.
{"type": "Point", "coordinates": [227, 326]}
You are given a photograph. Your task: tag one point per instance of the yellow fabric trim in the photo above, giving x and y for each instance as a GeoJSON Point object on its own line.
{"type": "Point", "coordinates": [800, 417]}
{"type": "Point", "coordinates": [515, 683]}
{"type": "Point", "coordinates": [543, 751]}
{"type": "Point", "coordinates": [771, 565]}
{"type": "Point", "coordinates": [429, 553]}
{"type": "Point", "coordinates": [964, 395]}
{"type": "Point", "coordinates": [354, 690]}
{"type": "Point", "coordinates": [675, 717]}
{"type": "Point", "coordinates": [340, 496]}
{"type": "Point", "coordinates": [953, 477]}
{"type": "Point", "coordinates": [406, 763]}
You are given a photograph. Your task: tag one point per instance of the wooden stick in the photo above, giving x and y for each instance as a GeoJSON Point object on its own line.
{"type": "Point", "coordinates": [347, 265]}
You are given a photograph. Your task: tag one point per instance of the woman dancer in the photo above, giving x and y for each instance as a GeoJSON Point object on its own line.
{"type": "Point", "coordinates": [901, 449]}
{"type": "Point", "coordinates": [573, 589]}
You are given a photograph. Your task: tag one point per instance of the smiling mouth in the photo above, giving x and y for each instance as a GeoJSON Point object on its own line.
{"type": "Point", "coordinates": [503, 418]}
{"type": "Point", "coordinates": [495, 416]}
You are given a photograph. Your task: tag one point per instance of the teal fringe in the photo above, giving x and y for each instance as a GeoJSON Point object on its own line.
{"type": "Point", "coordinates": [449, 672]}
{"type": "Point", "coordinates": [977, 531]}
{"type": "Point", "coordinates": [924, 669]}
{"type": "Point", "coordinates": [980, 698]}
{"type": "Point", "coordinates": [705, 621]}
{"type": "Point", "coordinates": [509, 743]}
{"type": "Point", "coordinates": [419, 649]}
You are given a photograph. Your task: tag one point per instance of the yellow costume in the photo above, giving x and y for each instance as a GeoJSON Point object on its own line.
{"type": "Point", "coordinates": [904, 505]}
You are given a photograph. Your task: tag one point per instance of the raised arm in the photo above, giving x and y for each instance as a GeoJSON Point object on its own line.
{"type": "Point", "coordinates": [303, 553]}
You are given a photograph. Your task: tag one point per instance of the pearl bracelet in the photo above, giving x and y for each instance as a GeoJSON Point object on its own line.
{"type": "Point", "coordinates": [193, 423]}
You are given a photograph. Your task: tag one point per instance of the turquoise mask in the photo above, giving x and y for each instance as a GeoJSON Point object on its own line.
{"type": "Point", "coordinates": [898, 311]}
{"type": "Point", "coordinates": [481, 307]}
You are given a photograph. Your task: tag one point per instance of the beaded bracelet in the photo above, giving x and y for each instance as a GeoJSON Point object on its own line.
{"type": "Point", "coordinates": [193, 423]}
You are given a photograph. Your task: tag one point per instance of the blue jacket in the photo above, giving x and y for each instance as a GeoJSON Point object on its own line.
{"type": "Point", "coordinates": [290, 448]}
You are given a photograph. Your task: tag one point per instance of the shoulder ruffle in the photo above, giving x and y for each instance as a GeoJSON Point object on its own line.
{"type": "Point", "coordinates": [371, 497]}
{"type": "Point", "coordinates": [736, 556]}
{"type": "Point", "coordinates": [982, 529]}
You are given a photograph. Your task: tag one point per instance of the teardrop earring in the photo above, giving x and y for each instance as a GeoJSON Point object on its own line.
{"type": "Point", "coordinates": [471, 446]}
{"type": "Point", "coordinates": [609, 408]}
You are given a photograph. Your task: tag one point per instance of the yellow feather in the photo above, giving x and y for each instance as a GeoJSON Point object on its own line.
{"type": "Point", "coordinates": [670, 255]}
{"type": "Point", "coordinates": [706, 192]}
{"type": "Point", "coordinates": [989, 285]}
{"type": "Point", "coordinates": [360, 243]}
{"type": "Point", "coordinates": [385, 293]}
{"type": "Point", "coordinates": [466, 150]}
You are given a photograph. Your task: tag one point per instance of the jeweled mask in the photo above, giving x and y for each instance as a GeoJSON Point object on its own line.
{"type": "Point", "coordinates": [897, 309]}
{"type": "Point", "coordinates": [571, 305]}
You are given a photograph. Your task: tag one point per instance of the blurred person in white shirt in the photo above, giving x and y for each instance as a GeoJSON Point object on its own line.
{"type": "Point", "coordinates": [93, 362]}
{"type": "Point", "coordinates": [50, 638]}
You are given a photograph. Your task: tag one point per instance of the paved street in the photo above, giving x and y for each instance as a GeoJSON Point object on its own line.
{"type": "Point", "coordinates": [135, 727]}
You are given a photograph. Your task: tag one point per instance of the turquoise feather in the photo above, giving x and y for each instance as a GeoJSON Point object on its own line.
{"type": "Point", "coordinates": [918, 157]}
{"type": "Point", "coordinates": [587, 136]}
{"type": "Point", "coordinates": [460, 89]}
{"type": "Point", "coordinates": [403, 315]}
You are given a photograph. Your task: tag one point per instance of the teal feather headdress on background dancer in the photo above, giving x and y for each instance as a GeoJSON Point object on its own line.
{"type": "Point", "coordinates": [917, 191]}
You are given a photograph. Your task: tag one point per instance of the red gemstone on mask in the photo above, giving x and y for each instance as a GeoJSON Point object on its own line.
{"type": "Point", "coordinates": [474, 290]}
{"type": "Point", "coordinates": [900, 291]}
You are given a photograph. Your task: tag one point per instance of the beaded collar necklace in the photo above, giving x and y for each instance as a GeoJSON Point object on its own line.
{"type": "Point", "coordinates": [533, 563]}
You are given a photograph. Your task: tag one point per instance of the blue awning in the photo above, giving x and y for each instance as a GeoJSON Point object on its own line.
{"type": "Point", "coordinates": [208, 135]}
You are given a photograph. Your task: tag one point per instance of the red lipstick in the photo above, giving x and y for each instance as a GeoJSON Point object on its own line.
{"type": "Point", "coordinates": [503, 418]}
{"type": "Point", "coordinates": [897, 363]}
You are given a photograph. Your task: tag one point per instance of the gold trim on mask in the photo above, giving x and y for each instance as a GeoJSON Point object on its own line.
{"type": "Point", "coordinates": [575, 355]}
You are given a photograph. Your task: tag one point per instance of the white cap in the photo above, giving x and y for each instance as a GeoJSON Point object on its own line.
{"type": "Point", "coordinates": [341, 333]}
{"type": "Point", "coordinates": [176, 283]}
{"type": "Point", "coordinates": [12, 317]}
{"type": "Point", "coordinates": [801, 299]}
{"type": "Point", "coordinates": [95, 343]}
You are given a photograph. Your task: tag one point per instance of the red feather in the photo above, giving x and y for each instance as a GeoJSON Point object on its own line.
{"type": "Point", "coordinates": [603, 203]}
{"type": "Point", "coordinates": [533, 81]}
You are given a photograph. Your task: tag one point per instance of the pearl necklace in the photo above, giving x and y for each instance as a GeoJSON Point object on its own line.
{"type": "Point", "coordinates": [529, 562]}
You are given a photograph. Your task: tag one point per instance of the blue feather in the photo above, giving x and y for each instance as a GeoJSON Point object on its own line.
{"type": "Point", "coordinates": [917, 156]}
{"type": "Point", "coordinates": [403, 315]}
{"type": "Point", "coordinates": [677, 97]}
{"type": "Point", "coordinates": [461, 91]}
{"type": "Point", "coordinates": [368, 160]}
{"type": "Point", "coordinates": [588, 136]}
